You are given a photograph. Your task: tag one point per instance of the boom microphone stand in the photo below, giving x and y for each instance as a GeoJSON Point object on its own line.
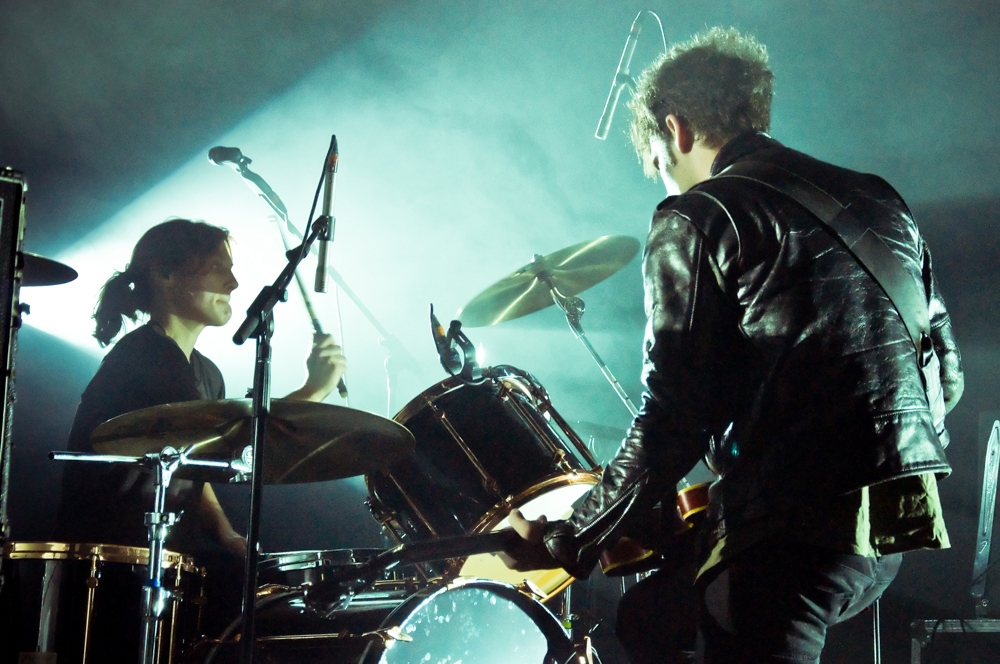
{"type": "Point", "coordinates": [398, 358]}
{"type": "Point", "coordinates": [259, 324]}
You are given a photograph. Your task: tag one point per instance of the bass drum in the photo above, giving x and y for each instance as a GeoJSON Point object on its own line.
{"type": "Point", "coordinates": [469, 621]}
{"type": "Point", "coordinates": [482, 450]}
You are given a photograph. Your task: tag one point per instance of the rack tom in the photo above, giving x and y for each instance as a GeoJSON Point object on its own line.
{"type": "Point", "coordinates": [481, 451]}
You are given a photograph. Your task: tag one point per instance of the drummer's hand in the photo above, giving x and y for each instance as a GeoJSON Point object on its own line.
{"type": "Point", "coordinates": [530, 552]}
{"type": "Point", "coordinates": [325, 366]}
{"type": "Point", "coordinates": [234, 543]}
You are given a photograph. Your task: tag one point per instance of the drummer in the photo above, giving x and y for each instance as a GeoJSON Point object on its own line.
{"type": "Point", "coordinates": [179, 281]}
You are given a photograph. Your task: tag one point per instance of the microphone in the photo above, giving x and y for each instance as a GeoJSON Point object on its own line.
{"type": "Point", "coordinates": [620, 80]}
{"type": "Point", "coordinates": [450, 358]}
{"type": "Point", "coordinates": [220, 155]}
{"type": "Point", "coordinates": [329, 189]}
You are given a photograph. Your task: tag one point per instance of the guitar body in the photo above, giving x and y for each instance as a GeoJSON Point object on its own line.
{"type": "Point", "coordinates": [628, 556]}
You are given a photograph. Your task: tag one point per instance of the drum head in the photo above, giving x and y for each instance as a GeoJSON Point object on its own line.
{"type": "Point", "coordinates": [473, 622]}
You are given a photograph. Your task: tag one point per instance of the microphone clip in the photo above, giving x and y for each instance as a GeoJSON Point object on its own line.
{"type": "Point", "coordinates": [461, 362]}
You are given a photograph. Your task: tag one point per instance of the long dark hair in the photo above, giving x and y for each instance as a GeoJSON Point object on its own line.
{"type": "Point", "coordinates": [174, 245]}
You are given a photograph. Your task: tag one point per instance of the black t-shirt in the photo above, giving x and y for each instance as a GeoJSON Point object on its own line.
{"type": "Point", "coordinates": [106, 503]}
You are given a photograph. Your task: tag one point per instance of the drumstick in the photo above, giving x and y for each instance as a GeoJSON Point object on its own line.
{"type": "Point", "coordinates": [317, 327]}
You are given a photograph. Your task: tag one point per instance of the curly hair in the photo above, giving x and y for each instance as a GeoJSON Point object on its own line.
{"type": "Point", "coordinates": [174, 246]}
{"type": "Point", "coordinates": [718, 82]}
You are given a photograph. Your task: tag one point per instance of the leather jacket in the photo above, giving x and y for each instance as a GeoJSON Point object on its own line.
{"type": "Point", "coordinates": [769, 349]}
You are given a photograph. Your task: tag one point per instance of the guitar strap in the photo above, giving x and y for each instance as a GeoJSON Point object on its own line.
{"type": "Point", "coordinates": [867, 247]}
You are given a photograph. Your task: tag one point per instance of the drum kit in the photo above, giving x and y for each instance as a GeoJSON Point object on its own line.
{"type": "Point", "coordinates": [442, 476]}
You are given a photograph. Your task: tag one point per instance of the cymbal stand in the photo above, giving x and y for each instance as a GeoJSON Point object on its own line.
{"type": "Point", "coordinates": [158, 522]}
{"type": "Point", "coordinates": [574, 307]}
{"type": "Point", "coordinates": [259, 324]}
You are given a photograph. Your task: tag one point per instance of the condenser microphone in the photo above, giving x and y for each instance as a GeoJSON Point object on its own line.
{"type": "Point", "coordinates": [329, 190]}
{"type": "Point", "coordinates": [620, 80]}
{"type": "Point", "coordinates": [450, 358]}
{"type": "Point", "coordinates": [220, 155]}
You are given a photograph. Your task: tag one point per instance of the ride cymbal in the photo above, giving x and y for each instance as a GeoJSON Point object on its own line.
{"type": "Point", "coordinates": [305, 441]}
{"type": "Point", "coordinates": [571, 271]}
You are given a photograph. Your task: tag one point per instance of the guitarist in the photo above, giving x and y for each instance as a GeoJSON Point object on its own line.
{"type": "Point", "coordinates": [786, 354]}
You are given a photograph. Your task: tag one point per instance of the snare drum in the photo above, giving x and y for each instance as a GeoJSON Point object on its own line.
{"type": "Point", "coordinates": [482, 450]}
{"type": "Point", "coordinates": [81, 602]}
{"type": "Point", "coordinates": [467, 620]}
{"type": "Point", "coordinates": [292, 569]}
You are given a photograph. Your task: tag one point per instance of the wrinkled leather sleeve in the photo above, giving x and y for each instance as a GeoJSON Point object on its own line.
{"type": "Point", "coordinates": [684, 304]}
{"type": "Point", "coordinates": [945, 346]}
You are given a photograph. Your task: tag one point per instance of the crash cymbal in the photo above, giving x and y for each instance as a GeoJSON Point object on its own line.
{"type": "Point", "coordinates": [571, 270]}
{"type": "Point", "coordinates": [306, 442]}
{"type": "Point", "coordinates": [41, 271]}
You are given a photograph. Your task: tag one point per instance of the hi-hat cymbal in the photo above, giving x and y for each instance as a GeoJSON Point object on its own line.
{"type": "Point", "coordinates": [41, 271]}
{"type": "Point", "coordinates": [571, 270]}
{"type": "Point", "coordinates": [305, 441]}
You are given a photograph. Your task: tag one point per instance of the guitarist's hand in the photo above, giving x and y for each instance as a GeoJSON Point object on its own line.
{"type": "Point", "coordinates": [529, 552]}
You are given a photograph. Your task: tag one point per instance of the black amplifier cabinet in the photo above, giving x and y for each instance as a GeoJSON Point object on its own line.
{"type": "Point", "coordinates": [12, 188]}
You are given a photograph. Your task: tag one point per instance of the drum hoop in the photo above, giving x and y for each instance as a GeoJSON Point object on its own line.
{"type": "Point", "coordinates": [449, 385]}
{"type": "Point", "coordinates": [312, 558]}
{"type": "Point", "coordinates": [560, 648]}
{"type": "Point", "coordinates": [427, 397]}
{"type": "Point", "coordinates": [110, 553]}
{"type": "Point", "coordinates": [499, 512]}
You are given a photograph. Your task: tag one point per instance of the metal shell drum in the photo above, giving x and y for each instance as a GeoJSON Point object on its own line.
{"type": "Point", "coordinates": [80, 602]}
{"type": "Point", "coordinates": [482, 450]}
{"type": "Point", "coordinates": [293, 569]}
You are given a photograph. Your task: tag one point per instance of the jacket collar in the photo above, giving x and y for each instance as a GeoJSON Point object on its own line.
{"type": "Point", "coordinates": [745, 144]}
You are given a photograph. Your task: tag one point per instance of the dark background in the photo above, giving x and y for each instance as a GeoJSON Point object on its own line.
{"type": "Point", "coordinates": [467, 145]}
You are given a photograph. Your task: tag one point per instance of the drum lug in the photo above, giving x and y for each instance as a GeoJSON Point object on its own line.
{"type": "Point", "coordinates": [559, 459]}
{"type": "Point", "coordinates": [387, 517]}
{"type": "Point", "coordinates": [532, 590]}
{"type": "Point", "coordinates": [385, 636]}
{"type": "Point", "coordinates": [491, 486]}
{"type": "Point", "coordinates": [488, 481]}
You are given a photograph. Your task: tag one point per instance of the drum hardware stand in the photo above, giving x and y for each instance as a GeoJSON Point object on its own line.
{"type": "Point", "coordinates": [876, 633]}
{"type": "Point", "coordinates": [574, 307]}
{"type": "Point", "coordinates": [923, 632]}
{"type": "Point", "coordinates": [566, 616]}
{"type": "Point", "coordinates": [158, 522]}
{"type": "Point", "coordinates": [987, 511]}
{"type": "Point", "coordinates": [259, 324]}
{"type": "Point", "coordinates": [397, 358]}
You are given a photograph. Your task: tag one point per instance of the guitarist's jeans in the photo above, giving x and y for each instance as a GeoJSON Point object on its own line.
{"type": "Point", "coordinates": [775, 601]}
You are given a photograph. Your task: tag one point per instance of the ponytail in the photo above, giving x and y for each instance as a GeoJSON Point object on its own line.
{"type": "Point", "coordinates": [116, 303]}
